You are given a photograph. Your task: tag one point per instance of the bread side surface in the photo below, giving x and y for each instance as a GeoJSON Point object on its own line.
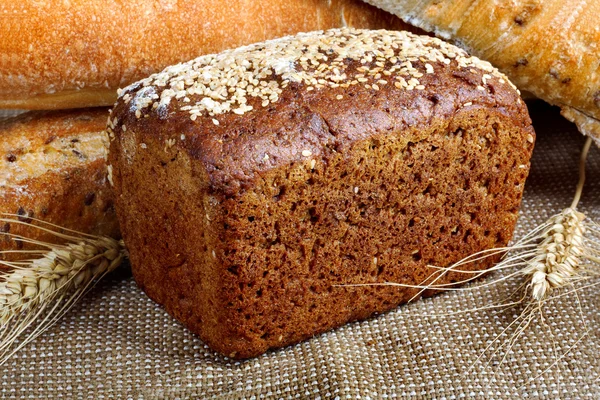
{"type": "Point", "coordinates": [53, 168]}
{"type": "Point", "coordinates": [56, 55]}
{"type": "Point", "coordinates": [245, 223]}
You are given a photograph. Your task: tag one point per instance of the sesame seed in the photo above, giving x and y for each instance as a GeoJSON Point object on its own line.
{"type": "Point", "coordinates": [339, 97]}
{"type": "Point", "coordinates": [356, 189]}
{"type": "Point", "coordinates": [312, 164]}
{"type": "Point", "coordinates": [306, 153]}
{"type": "Point", "coordinates": [222, 83]}
{"type": "Point", "coordinates": [479, 87]}
{"type": "Point", "coordinates": [143, 145]}
{"type": "Point", "coordinates": [467, 104]}
{"type": "Point", "coordinates": [215, 121]}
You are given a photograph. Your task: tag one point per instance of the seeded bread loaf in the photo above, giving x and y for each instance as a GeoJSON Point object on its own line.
{"type": "Point", "coordinates": [251, 183]}
{"type": "Point", "coordinates": [53, 167]}
{"type": "Point", "coordinates": [62, 54]}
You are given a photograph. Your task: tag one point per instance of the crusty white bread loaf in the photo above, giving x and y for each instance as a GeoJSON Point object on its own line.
{"type": "Point", "coordinates": [53, 167]}
{"type": "Point", "coordinates": [59, 54]}
{"type": "Point", "coordinates": [550, 48]}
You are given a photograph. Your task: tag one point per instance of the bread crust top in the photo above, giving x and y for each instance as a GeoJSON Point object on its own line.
{"type": "Point", "coordinates": [547, 47]}
{"type": "Point", "coordinates": [295, 98]}
{"type": "Point", "coordinates": [35, 143]}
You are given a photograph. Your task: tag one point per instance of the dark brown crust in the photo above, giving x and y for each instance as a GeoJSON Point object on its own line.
{"type": "Point", "coordinates": [246, 251]}
{"type": "Point", "coordinates": [74, 197]}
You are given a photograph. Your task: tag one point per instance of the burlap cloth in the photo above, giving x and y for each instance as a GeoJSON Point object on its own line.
{"type": "Point", "coordinates": [118, 344]}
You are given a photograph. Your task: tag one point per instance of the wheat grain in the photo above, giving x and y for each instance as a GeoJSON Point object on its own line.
{"type": "Point", "coordinates": [557, 259]}
{"type": "Point", "coordinates": [61, 269]}
{"type": "Point", "coordinates": [35, 293]}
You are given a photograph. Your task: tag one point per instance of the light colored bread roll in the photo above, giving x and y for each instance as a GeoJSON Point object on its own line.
{"type": "Point", "coordinates": [53, 167]}
{"type": "Point", "coordinates": [61, 54]}
{"type": "Point", "coordinates": [550, 48]}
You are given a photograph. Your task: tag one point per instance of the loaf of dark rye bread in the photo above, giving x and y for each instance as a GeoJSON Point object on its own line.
{"type": "Point", "coordinates": [250, 184]}
{"type": "Point", "coordinates": [53, 168]}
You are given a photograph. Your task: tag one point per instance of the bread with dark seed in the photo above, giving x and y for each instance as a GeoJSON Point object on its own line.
{"type": "Point", "coordinates": [53, 168]}
{"type": "Point", "coordinates": [252, 185]}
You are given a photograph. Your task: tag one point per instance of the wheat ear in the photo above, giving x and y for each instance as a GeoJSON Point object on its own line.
{"type": "Point", "coordinates": [551, 256]}
{"type": "Point", "coordinates": [35, 293]}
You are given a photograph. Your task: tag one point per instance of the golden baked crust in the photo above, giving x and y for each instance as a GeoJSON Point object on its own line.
{"type": "Point", "coordinates": [56, 55]}
{"type": "Point", "coordinates": [53, 167]}
{"type": "Point", "coordinates": [547, 47]}
{"type": "Point", "coordinates": [363, 157]}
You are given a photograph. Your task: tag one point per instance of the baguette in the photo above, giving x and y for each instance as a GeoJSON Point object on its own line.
{"type": "Point", "coordinates": [253, 184]}
{"type": "Point", "coordinates": [53, 167]}
{"type": "Point", "coordinates": [56, 55]}
{"type": "Point", "coordinates": [547, 47]}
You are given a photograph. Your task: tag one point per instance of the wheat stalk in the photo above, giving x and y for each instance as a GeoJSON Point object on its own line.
{"type": "Point", "coordinates": [35, 293]}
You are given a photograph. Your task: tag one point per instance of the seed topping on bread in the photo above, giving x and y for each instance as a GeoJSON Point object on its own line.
{"type": "Point", "coordinates": [226, 82]}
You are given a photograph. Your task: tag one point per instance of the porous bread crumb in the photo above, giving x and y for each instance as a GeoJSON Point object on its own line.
{"type": "Point", "coordinates": [222, 83]}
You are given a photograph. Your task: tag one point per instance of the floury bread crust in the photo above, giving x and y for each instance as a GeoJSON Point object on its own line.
{"type": "Point", "coordinates": [251, 183]}
{"type": "Point", "coordinates": [53, 167]}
